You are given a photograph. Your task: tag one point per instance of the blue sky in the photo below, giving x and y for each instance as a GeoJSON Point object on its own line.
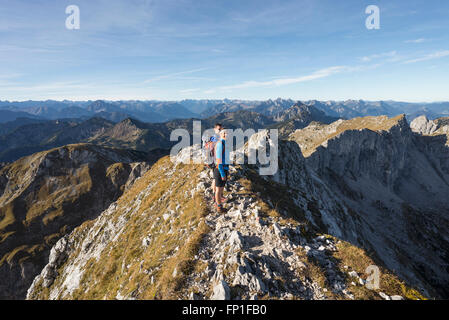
{"type": "Point", "coordinates": [173, 50]}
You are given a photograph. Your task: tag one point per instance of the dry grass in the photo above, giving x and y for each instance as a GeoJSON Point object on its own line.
{"type": "Point", "coordinates": [128, 267]}
{"type": "Point", "coordinates": [312, 271]}
{"type": "Point", "coordinates": [17, 251]}
{"type": "Point", "coordinates": [357, 260]}
{"type": "Point", "coordinates": [274, 199]}
{"type": "Point", "coordinates": [7, 215]}
{"type": "Point", "coordinates": [169, 286]}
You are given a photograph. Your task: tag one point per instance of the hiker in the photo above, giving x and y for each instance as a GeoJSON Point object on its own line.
{"type": "Point", "coordinates": [210, 151]}
{"type": "Point", "coordinates": [221, 170]}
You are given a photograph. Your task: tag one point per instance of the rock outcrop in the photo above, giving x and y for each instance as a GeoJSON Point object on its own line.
{"type": "Point", "coordinates": [423, 126]}
{"type": "Point", "coordinates": [435, 128]}
{"type": "Point", "coordinates": [392, 186]}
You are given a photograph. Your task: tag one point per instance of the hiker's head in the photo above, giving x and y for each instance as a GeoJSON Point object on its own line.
{"type": "Point", "coordinates": [218, 127]}
{"type": "Point", "coordinates": [223, 133]}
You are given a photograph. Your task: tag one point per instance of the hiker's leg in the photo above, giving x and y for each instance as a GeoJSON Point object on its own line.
{"type": "Point", "coordinates": [215, 183]}
{"type": "Point", "coordinates": [218, 194]}
{"type": "Point", "coordinates": [221, 194]}
{"type": "Point", "coordinates": [223, 199]}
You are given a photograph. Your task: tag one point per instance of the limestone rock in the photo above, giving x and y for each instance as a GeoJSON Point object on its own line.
{"type": "Point", "coordinates": [221, 291]}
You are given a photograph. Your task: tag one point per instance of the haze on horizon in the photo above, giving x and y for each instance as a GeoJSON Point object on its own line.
{"type": "Point", "coordinates": [172, 50]}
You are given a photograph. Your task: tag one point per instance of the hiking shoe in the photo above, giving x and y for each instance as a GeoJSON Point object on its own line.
{"type": "Point", "coordinates": [223, 200]}
{"type": "Point", "coordinates": [219, 208]}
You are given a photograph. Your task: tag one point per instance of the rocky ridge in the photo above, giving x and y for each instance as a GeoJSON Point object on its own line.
{"type": "Point", "coordinates": [163, 240]}
{"type": "Point", "coordinates": [258, 256]}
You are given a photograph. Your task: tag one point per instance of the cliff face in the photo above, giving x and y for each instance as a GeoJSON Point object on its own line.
{"type": "Point", "coordinates": [394, 185]}
{"type": "Point", "coordinates": [46, 195]}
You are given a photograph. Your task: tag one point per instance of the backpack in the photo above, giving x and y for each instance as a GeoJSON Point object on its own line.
{"type": "Point", "coordinates": [209, 153]}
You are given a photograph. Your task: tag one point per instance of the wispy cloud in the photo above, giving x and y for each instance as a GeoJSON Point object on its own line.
{"type": "Point", "coordinates": [390, 54]}
{"type": "Point", "coordinates": [54, 86]}
{"type": "Point", "coordinates": [10, 79]}
{"type": "Point", "coordinates": [187, 91]}
{"type": "Point", "coordinates": [322, 73]}
{"type": "Point", "coordinates": [420, 40]}
{"type": "Point", "coordinates": [173, 75]}
{"type": "Point", "coordinates": [16, 49]}
{"type": "Point", "coordinates": [10, 75]}
{"type": "Point", "coordinates": [431, 56]}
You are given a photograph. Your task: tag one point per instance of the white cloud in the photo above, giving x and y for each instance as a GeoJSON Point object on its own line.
{"type": "Point", "coordinates": [420, 40]}
{"type": "Point", "coordinates": [390, 54]}
{"type": "Point", "coordinates": [431, 56]}
{"type": "Point", "coordinates": [10, 76]}
{"type": "Point", "coordinates": [173, 75]}
{"type": "Point", "coordinates": [187, 91]}
{"type": "Point", "coordinates": [322, 73]}
{"type": "Point", "coordinates": [55, 86]}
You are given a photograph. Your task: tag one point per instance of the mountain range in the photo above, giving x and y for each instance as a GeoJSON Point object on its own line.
{"type": "Point", "coordinates": [115, 110]}
{"type": "Point", "coordinates": [162, 111]}
{"type": "Point", "coordinates": [25, 136]}
{"type": "Point", "coordinates": [111, 126]}
{"type": "Point", "coordinates": [341, 109]}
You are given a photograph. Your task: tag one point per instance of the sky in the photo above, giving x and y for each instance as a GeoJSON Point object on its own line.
{"type": "Point", "coordinates": [213, 49]}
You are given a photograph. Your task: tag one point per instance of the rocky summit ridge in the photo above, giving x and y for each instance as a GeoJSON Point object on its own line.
{"type": "Point", "coordinates": [348, 197]}
{"type": "Point", "coordinates": [289, 236]}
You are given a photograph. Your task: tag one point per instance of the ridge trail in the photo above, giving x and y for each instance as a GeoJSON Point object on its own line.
{"type": "Point", "coordinates": [249, 256]}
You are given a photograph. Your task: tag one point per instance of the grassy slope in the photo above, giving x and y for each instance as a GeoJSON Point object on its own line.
{"type": "Point", "coordinates": [125, 265]}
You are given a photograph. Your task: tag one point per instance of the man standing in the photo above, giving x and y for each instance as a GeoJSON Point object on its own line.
{"type": "Point", "coordinates": [213, 141]}
{"type": "Point", "coordinates": [221, 170]}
